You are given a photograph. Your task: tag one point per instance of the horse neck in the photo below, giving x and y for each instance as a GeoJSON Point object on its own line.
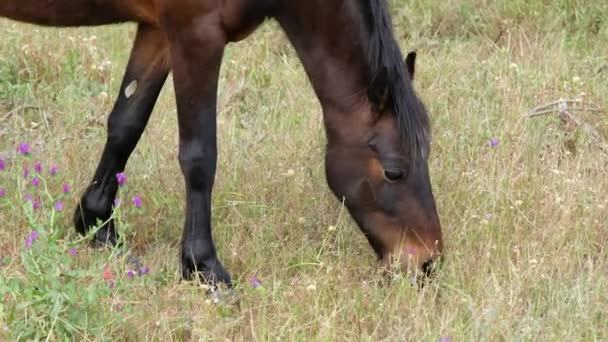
{"type": "Point", "coordinates": [329, 38]}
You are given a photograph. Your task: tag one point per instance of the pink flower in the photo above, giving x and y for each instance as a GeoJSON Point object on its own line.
{"type": "Point", "coordinates": [493, 142]}
{"type": "Point", "coordinates": [130, 274]}
{"type": "Point", "coordinates": [121, 177]}
{"type": "Point", "coordinates": [36, 204]}
{"type": "Point", "coordinates": [59, 206]}
{"type": "Point", "coordinates": [29, 240]}
{"type": "Point", "coordinates": [108, 276]}
{"type": "Point", "coordinates": [116, 202]}
{"type": "Point", "coordinates": [137, 201]}
{"type": "Point", "coordinates": [53, 170]}
{"type": "Point", "coordinates": [26, 171]}
{"type": "Point", "coordinates": [73, 251]}
{"type": "Point", "coordinates": [107, 273]}
{"type": "Point", "coordinates": [66, 188]}
{"type": "Point", "coordinates": [24, 148]}
{"type": "Point", "coordinates": [2, 192]}
{"type": "Point", "coordinates": [255, 282]}
{"type": "Point", "coordinates": [2, 165]}
{"type": "Point", "coordinates": [38, 167]}
{"type": "Point", "coordinates": [35, 181]}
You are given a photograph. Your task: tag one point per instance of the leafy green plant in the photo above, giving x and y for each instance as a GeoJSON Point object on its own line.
{"type": "Point", "coordinates": [54, 293]}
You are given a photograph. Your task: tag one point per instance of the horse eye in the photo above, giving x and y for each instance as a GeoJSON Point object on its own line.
{"type": "Point", "coordinates": [394, 176]}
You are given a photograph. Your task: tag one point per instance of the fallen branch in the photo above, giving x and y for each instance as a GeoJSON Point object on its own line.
{"type": "Point", "coordinates": [564, 108]}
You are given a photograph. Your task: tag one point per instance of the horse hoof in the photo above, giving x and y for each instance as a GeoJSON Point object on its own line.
{"type": "Point", "coordinates": [209, 273]}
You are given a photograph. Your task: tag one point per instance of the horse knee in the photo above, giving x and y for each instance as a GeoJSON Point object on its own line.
{"type": "Point", "coordinates": [198, 166]}
{"type": "Point", "coordinates": [123, 135]}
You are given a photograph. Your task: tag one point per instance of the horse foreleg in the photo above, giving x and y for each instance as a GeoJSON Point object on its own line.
{"type": "Point", "coordinates": [197, 47]}
{"type": "Point", "coordinates": [145, 75]}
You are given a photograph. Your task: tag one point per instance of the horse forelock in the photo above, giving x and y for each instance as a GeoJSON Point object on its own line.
{"type": "Point", "coordinates": [389, 84]}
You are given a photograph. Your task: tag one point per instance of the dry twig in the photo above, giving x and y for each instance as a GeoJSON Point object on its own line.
{"type": "Point", "coordinates": [564, 108]}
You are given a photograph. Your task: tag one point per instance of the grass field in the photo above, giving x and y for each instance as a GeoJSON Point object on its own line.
{"type": "Point", "coordinates": [525, 222]}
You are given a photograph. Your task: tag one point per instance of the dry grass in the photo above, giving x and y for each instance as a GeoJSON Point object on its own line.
{"type": "Point", "coordinates": [526, 222]}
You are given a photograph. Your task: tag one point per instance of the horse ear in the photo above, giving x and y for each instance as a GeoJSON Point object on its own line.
{"type": "Point", "coordinates": [410, 64]}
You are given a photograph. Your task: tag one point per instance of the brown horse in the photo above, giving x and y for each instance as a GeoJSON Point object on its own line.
{"type": "Point", "coordinates": [377, 128]}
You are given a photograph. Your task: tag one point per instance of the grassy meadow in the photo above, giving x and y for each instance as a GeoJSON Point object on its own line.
{"type": "Point", "coordinates": [525, 221]}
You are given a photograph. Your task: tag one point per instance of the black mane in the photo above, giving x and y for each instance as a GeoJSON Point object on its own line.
{"type": "Point", "coordinates": [389, 84]}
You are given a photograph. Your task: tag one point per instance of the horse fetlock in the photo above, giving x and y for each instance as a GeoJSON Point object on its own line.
{"type": "Point", "coordinates": [202, 262]}
{"type": "Point", "coordinates": [96, 204]}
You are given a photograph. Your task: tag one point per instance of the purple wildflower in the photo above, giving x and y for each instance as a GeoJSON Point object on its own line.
{"type": "Point", "coordinates": [36, 204]}
{"type": "Point", "coordinates": [444, 339]}
{"type": "Point", "coordinates": [53, 170]}
{"type": "Point", "coordinates": [111, 284]}
{"type": "Point", "coordinates": [1, 165]}
{"type": "Point", "coordinates": [411, 250]}
{"type": "Point", "coordinates": [66, 188]}
{"type": "Point", "coordinates": [255, 282]}
{"type": "Point", "coordinates": [2, 192]}
{"type": "Point", "coordinates": [143, 271]}
{"type": "Point", "coordinates": [116, 202]}
{"type": "Point", "coordinates": [493, 142]}
{"type": "Point", "coordinates": [59, 206]}
{"type": "Point", "coordinates": [121, 177]}
{"type": "Point", "coordinates": [24, 148]}
{"type": "Point", "coordinates": [137, 201]}
{"type": "Point", "coordinates": [73, 251]}
{"type": "Point", "coordinates": [35, 181]}
{"type": "Point", "coordinates": [27, 197]}
{"type": "Point", "coordinates": [130, 274]}
{"type": "Point", "coordinates": [38, 167]}
{"type": "Point", "coordinates": [29, 240]}
{"type": "Point", "coordinates": [26, 171]}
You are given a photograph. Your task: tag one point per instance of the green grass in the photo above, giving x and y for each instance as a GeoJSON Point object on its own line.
{"type": "Point", "coordinates": [525, 223]}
